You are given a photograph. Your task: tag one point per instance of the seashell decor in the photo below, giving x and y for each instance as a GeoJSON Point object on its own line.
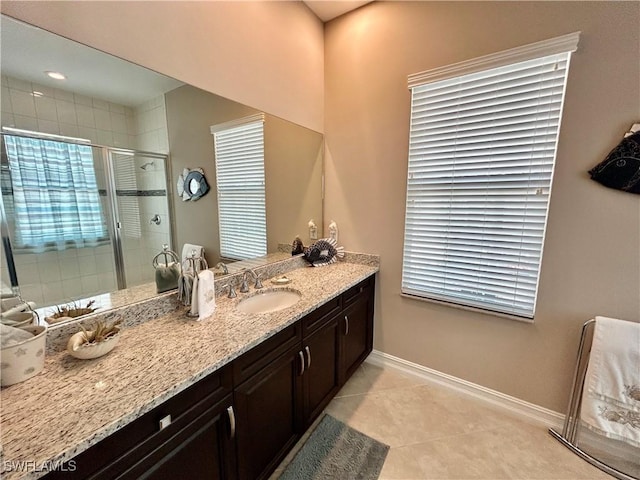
{"type": "Point", "coordinates": [88, 344]}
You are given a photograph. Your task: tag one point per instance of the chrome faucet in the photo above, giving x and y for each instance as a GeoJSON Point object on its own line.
{"type": "Point", "coordinates": [244, 288]}
{"type": "Point", "coordinates": [232, 290]}
{"type": "Point", "coordinates": [223, 267]}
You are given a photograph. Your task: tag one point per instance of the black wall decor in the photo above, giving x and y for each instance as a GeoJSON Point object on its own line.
{"type": "Point", "coordinates": [621, 168]}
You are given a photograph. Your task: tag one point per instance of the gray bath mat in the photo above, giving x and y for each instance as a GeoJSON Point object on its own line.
{"type": "Point", "coordinates": [336, 451]}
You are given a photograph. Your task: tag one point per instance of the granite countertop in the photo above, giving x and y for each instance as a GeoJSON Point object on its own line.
{"type": "Point", "coordinates": [73, 403]}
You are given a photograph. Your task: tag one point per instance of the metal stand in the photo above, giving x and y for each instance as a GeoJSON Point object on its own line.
{"type": "Point", "coordinates": [572, 418]}
{"type": "Point", "coordinates": [191, 266]}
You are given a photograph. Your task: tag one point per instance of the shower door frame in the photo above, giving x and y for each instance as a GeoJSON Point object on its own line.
{"type": "Point", "coordinates": [114, 225]}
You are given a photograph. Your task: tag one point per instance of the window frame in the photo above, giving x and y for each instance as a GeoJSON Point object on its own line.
{"type": "Point", "coordinates": [257, 246]}
{"type": "Point", "coordinates": [565, 44]}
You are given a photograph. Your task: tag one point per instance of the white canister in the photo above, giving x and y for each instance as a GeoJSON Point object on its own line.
{"type": "Point", "coordinates": [23, 360]}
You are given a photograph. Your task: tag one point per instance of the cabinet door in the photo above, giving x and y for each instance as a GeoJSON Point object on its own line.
{"type": "Point", "coordinates": [321, 380]}
{"type": "Point", "coordinates": [203, 449]}
{"type": "Point", "coordinates": [125, 448]}
{"type": "Point", "coordinates": [356, 334]}
{"type": "Point", "coordinates": [268, 415]}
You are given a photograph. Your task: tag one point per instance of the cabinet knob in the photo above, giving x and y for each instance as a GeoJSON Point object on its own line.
{"type": "Point", "coordinates": [346, 325]}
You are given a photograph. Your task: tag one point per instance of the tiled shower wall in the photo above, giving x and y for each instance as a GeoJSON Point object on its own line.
{"type": "Point", "coordinates": [61, 276]}
{"type": "Point", "coordinates": [151, 136]}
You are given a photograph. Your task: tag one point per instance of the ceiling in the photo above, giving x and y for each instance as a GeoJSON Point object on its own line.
{"type": "Point", "coordinates": [327, 10]}
{"type": "Point", "coordinates": [27, 52]}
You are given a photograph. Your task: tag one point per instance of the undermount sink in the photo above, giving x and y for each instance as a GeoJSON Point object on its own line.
{"type": "Point", "coordinates": [270, 300]}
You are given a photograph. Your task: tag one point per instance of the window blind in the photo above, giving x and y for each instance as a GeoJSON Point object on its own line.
{"type": "Point", "coordinates": [481, 158]}
{"type": "Point", "coordinates": [239, 152]}
{"type": "Point", "coordinates": [127, 197]}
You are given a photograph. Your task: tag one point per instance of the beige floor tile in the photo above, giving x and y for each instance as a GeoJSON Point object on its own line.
{"type": "Point", "coordinates": [371, 378]}
{"type": "Point", "coordinates": [528, 453]}
{"type": "Point", "coordinates": [406, 416]}
{"type": "Point", "coordinates": [435, 433]}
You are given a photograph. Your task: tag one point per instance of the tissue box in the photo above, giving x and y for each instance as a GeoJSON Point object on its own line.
{"type": "Point", "coordinates": [25, 359]}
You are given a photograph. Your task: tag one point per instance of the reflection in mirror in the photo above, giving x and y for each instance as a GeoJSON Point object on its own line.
{"type": "Point", "coordinates": [122, 112]}
{"type": "Point", "coordinates": [192, 184]}
{"type": "Point", "coordinates": [80, 218]}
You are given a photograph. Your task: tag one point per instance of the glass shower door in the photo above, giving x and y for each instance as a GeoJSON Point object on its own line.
{"type": "Point", "coordinates": [63, 259]}
{"type": "Point", "coordinates": [141, 207]}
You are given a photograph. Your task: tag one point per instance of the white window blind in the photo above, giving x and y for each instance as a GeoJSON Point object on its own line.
{"type": "Point", "coordinates": [127, 196]}
{"type": "Point", "coordinates": [239, 151]}
{"type": "Point", "coordinates": [481, 158]}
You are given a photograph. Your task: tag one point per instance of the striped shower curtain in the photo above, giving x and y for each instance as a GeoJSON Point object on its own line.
{"type": "Point", "coordinates": [55, 195]}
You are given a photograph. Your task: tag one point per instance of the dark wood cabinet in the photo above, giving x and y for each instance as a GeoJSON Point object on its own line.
{"type": "Point", "coordinates": [241, 421]}
{"type": "Point", "coordinates": [356, 327]}
{"type": "Point", "coordinates": [289, 379]}
{"type": "Point", "coordinates": [158, 436]}
{"type": "Point", "coordinates": [267, 415]}
{"type": "Point", "coordinates": [354, 336]}
{"type": "Point", "coordinates": [202, 449]}
{"type": "Point", "coordinates": [320, 379]}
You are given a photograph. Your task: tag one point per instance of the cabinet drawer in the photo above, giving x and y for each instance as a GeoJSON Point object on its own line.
{"type": "Point", "coordinates": [201, 449]}
{"type": "Point", "coordinates": [355, 292]}
{"type": "Point", "coordinates": [320, 316]}
{"type": "Point", "coordinates": [261, 355]}
{"type": "Point", "coordinates": [145, 433]}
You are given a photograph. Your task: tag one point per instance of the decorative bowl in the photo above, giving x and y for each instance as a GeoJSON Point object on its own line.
{"type": "Point", "coordinates": [25, 359]}
{"type": "Point", "coordinates": [77, 347]}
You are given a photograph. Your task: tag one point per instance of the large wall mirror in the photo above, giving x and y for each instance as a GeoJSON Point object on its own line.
{"type": "Point", "coordinates": [118, 137]}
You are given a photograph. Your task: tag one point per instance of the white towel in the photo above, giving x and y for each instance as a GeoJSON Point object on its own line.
{"type": "Point", "coordinates": [611, 396]}
{"type": "Point", "coordinates": [205, 294]}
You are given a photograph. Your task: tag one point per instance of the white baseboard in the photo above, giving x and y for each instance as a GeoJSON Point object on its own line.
{"type": "Point", "coordinates": [514, 406]}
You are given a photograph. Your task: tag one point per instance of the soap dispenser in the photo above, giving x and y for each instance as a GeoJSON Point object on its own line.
{"type": "Point", "coordinates": [313, 230]}
{"type": "Point", "coordinates": [333, 231]}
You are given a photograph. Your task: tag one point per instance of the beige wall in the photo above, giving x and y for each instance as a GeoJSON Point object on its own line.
{"type": "Point", "coordinates": [241, 51]}
{"type": "Point", "coordinates": [592, 252]}
{"type": "Point", "coordinates": [293, 176]}
{"type": "Point", "coordinates": [267, 54]}
{"type": "Point", "coordinates": [190, 113]}
{"type": "Point", "coordinates": [293, 170]}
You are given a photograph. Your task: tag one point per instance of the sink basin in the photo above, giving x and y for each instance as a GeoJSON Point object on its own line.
{"type": "Point", "coordinates": [270, 300]}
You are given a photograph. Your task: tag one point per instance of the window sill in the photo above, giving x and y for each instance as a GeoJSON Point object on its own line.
{"type": "Point", "coordinates": [468, 308]}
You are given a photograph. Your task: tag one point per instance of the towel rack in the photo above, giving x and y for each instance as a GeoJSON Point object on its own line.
{"type": "Point", "coordinates": [572, 418]}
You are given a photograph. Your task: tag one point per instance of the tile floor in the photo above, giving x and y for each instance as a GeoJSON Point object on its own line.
{"type": "Point", "coordinates": [438, 434]}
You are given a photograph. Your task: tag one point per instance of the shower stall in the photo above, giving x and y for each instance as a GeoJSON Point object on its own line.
{"type": "Point", "coordinates": [79, 220]}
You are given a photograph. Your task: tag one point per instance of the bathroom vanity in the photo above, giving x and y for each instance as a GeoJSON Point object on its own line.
{"type": "Point", "coordinates": [227, 397]}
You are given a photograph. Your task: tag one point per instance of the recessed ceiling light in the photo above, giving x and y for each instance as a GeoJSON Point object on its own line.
{"type": "Point", "coordinates": [36, 93]}
{"type": "Point", "coordinates": [56, 75]}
